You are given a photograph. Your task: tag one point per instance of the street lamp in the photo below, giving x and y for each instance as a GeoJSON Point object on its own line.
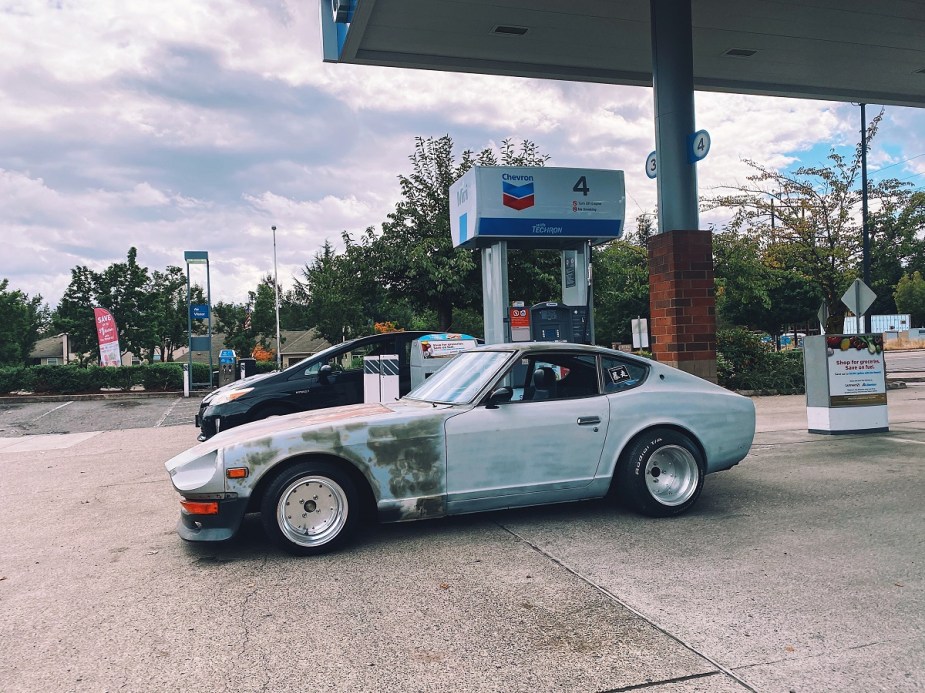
{"type": "Point", "coordinates": [279, 357]}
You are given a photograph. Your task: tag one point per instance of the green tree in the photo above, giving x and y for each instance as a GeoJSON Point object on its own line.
{"type": "Point", "coordinates": [123, 288]}
{"type": "Point", "coordinates": [342, 292]}
{"type": "Point", "coordinates": [231, 320]}
{"type": "Point", "coordinates": [21, 321]}
{"type": "Point", "coordinates": [896, 246]}
{"type": "Point", "coordinates": [811, 217]}
{"type": "Point", "coordinates": [621, 290]}
{"type": "Point", "coordinates": [417, 259]}
{"type": "Point", "coordinates": [74, 315]}
{"type": "Point", "coordinates": [910, 297]}
{"type": "Point", "coordinates": [263, 316]}
{"type": "Point", "coordinates": [168, 311]}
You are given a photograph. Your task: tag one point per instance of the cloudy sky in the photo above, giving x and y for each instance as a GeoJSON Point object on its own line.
{"type": "Point", "coordinates": [175, 126]}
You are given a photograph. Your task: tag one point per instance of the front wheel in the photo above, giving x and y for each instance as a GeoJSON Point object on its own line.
{"type": "Point", "coordinates": [311, 508]}
{"type": "Point", "coordinates": [661, 473]}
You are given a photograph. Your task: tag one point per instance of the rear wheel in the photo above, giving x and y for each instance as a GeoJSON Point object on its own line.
{"type": "Point", "coordinates": [311, 508]}
{"type": "Point", "coordinates": [661, 473]}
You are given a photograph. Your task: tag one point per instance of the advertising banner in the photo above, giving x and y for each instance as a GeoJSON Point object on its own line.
{"type": "Point", "coordinates": [108, 336]}
{"type": "Point", "coordinates": [539, 206]}
{"type": "Point", "coordinates": [857, 374]}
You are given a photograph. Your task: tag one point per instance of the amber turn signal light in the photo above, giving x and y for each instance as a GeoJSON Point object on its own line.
{"type": "Point", "coordinates": [236, 473]}
{"type": "Point", "coordinates": [200, 507]}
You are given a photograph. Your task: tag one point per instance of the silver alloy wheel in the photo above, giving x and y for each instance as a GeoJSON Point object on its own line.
{"type": "Point", "coordinates": [312, 510]}
{"type": "Point", "coordinates": [672, 475]}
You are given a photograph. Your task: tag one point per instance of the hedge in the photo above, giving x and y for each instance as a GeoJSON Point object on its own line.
{"type": "Point", "coordinates": [744, 362]}
{"type": "Point", "coordinates": [74, 379]}
{"type": "Point", "coordinates": [158, 377]}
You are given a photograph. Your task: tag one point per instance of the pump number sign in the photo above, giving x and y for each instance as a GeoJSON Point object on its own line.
{"type": "Point", "coordinates": [541, 207]}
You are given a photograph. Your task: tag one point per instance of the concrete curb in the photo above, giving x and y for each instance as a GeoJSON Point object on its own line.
{"type": "Point", "coordinates": [32, 399]}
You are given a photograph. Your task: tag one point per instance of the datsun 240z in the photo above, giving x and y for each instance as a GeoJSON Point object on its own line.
{"type": "Point", "coordinates": [501, 426]}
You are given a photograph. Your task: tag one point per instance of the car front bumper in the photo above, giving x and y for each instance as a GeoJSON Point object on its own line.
{"type": "Point", "coordinates": [217, 527]}
{"type": "Point", "coordinates": [212, 420]}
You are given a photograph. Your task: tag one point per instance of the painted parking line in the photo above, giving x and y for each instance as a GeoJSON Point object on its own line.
{"type": "Point", "coordinates": [167, 413]}
{"type": "Point", "coordinates": [906, 440]}
{"type": "Point", "coordinates": [60, 406]}
{"type": "Point", "coordinates": [56, 441]}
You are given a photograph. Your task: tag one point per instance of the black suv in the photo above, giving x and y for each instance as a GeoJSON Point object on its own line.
{"type": "Point", "coordinates": [330, 378]}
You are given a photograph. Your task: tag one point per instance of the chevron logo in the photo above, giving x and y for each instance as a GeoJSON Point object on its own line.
{"type": "Point", "coordinates": [517, 196]}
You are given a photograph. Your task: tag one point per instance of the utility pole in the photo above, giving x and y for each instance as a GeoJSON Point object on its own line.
{"type": "Point", "coordinates": [279, 357]}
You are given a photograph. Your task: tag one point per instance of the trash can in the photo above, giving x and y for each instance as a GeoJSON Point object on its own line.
{"type": "Point", "coordinates": [248, 367]}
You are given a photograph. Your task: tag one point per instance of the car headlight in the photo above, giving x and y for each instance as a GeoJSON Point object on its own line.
{"type": "Point", "coordinates": [230, 396]}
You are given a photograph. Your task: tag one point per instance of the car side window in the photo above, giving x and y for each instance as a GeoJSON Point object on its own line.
{"type": "Point", "coordinates": [622, 374]}
{"type": "Point", "coordinates": [553, 376]}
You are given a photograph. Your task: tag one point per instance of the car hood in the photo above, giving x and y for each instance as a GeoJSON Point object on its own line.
{"type": "Point", "coordinates": [238, 384]}
{"type": "Point", "coordinates": [306, 422]}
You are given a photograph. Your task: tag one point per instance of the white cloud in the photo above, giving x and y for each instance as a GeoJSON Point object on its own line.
{"type": "Point", "coordinates": [174, 125]}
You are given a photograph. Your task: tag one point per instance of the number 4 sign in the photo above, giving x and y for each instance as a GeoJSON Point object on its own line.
{"type": "Point", "coordinates": [698, 146]}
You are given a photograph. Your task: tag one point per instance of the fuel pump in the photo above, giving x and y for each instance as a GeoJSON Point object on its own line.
{"type": "Point", "coordinates": [227, 367]}
{"type": "Point", "coordinates": [566, 209]}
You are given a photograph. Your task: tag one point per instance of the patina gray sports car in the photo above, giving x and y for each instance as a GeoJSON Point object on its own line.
{"type": "Point", "coordinates": [498, 427]}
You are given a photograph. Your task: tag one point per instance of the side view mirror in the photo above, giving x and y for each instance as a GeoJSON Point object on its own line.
{"type": "Point", "coordinates": [499, 396]}
{"type": "Point", "coordinates": [324, 372]}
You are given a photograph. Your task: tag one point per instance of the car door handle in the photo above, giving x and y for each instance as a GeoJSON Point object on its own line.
{"type": "Point", "coordinates": [588, 420]}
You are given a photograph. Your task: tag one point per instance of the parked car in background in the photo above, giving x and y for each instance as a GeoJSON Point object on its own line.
{"type": "Point", "coordinates": [500, 426]}
{"type": "Point", "coordinates": [330, 378]}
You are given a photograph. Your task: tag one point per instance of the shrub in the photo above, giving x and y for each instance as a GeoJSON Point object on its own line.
{"type": "Point", "coordinates": [266, 366]}
{"type": "Point", "coordinates": [162, 376]}
{"type": "Point", "coordinates": [744, 362]}
{"type": "Point", "coordinates": [12, 379]}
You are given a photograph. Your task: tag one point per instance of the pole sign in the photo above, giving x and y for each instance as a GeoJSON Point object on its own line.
{"type": "Point", "coordinates": [539, 205]}
{"type": "Point", "coordinates": [108, 336]}
{"type": "Point", "coordinates": [640, 327]}
{"type": "Point", "coordinates": [652, 165]}
{"type": "Point", "coordinates": [200, 311]}
{"type": "Point", "coordinates": [698, 146]}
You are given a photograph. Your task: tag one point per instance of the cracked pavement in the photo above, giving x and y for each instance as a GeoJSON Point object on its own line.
{"type": "Point", "coordinates": [798, 570]}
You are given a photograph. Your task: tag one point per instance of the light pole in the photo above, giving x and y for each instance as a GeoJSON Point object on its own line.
{"type": "Point", "coordinates": [279, 357]}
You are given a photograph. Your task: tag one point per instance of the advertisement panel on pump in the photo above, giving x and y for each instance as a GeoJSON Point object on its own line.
{"type": "Point", "coordinates": [556, 206]}
{"type": "Point", "coordinates": [108, 336]}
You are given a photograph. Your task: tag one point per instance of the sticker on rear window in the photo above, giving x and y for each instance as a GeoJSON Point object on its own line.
{"type": "Point", "coordinates": [619, 374]}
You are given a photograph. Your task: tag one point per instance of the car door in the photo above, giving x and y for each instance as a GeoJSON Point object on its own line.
{"type": "Point", "coordinates": [537, 448]}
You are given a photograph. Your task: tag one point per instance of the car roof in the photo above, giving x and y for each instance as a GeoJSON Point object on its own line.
{"type": "Point", "coordinates": [530, 347]}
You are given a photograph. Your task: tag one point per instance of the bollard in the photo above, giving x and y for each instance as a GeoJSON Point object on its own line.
{"type": "Point", "coordinates": [186, 380]}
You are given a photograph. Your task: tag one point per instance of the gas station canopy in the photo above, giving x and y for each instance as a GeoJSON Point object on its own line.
{"type": "Point", "coordinates": [839, 50]}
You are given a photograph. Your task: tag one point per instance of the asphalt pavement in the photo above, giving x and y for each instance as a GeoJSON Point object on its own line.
{"type": "Point", "coordinates": [801, 569]}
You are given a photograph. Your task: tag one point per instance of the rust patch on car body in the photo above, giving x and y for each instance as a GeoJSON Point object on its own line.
{"type": "Point", "coordinates": [400, 450]}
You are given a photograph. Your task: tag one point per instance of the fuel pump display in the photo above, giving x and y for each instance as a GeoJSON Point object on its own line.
{"type": "Point", "coordinates": [555, 322]}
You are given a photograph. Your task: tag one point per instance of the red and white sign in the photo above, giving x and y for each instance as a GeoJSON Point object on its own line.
{"type": "Point", "coordinates": [108, 336]}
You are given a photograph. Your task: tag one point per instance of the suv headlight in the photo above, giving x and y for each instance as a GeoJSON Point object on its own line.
{"type": "Point", "coordinates": [230, 396]}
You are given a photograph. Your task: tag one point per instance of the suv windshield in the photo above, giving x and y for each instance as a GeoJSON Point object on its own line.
{"type": "Point", "coordinates": [459, 381]}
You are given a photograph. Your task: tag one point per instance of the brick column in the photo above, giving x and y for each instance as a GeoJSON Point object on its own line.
{"type": "Point", "coordinates": [682, 302]}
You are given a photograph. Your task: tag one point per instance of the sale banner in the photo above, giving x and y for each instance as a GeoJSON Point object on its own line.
{"type": "Point", "coordinates": [108, 336]}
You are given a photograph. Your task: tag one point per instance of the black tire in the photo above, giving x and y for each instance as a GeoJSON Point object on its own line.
{"type": "Point", "coordinates": [311, 508]}
{"type": "Point", "coordinates": [661, 473]}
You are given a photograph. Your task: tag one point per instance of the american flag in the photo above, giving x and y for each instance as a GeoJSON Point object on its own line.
{"type": "Point", "coordinates": [247, 318]}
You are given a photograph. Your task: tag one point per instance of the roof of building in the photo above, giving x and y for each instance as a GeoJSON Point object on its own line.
{"type": "Point", "coordinates": [841, 50]}
{"type": "Point", "coordinates": [48, 348]}
{"type": "Point", "coordinates": [303, 343]}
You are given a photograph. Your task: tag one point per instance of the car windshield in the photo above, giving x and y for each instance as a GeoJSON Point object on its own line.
{"type": "Point", "coordinates": [460, 380]}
